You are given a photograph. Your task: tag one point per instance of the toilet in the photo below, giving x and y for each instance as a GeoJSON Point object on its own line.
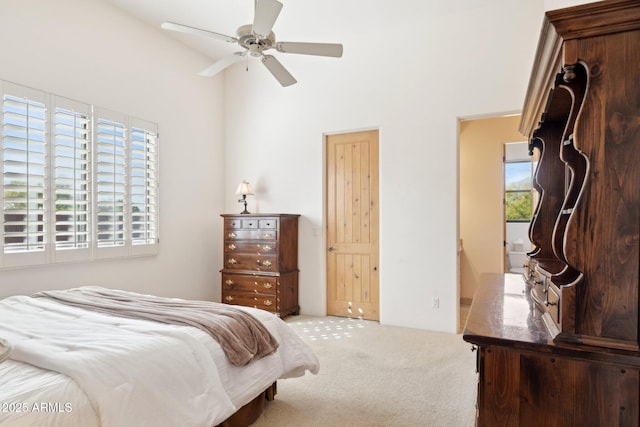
{"type": "Point", "coordinates": [516, 261]}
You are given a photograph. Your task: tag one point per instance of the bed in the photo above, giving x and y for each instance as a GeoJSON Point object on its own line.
{"type": "Point", "coordinates": [76, 367]}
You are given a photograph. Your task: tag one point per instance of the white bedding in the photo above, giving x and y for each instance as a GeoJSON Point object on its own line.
{"type": "Point", "coordinates": [71, 367]}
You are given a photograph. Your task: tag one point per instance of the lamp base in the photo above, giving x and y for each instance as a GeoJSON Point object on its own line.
{"type": "Point", "coordinates": [244, 200]}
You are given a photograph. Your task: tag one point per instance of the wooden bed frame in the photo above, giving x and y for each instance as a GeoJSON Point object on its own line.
{"type": "Point", "coordinates": [250, 412]}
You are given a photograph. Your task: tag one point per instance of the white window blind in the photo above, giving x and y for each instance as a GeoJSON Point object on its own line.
{"type": "Point", "coordinates": [24, 161]}
{"type": "Point", "coordinates": [144, 183]}
{"type": "Point", "coordinates": [111, 179]}
{"type": "Point", "coordinates": [79, 182]}
{"type": "Point", "coordinates": [72, 175]}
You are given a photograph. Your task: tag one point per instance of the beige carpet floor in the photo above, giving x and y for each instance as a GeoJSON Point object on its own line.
{"type": "Point", "coordinates": [373, 375]}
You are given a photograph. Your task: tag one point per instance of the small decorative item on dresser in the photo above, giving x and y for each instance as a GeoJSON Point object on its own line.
{"type": "Point", "coordinates": [261, 262]}
{"type": "Point", "coordinates": [244, 189]}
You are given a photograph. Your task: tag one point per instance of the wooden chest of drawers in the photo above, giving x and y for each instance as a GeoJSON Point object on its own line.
{"type": "Point", "coordinates": [261, 262]}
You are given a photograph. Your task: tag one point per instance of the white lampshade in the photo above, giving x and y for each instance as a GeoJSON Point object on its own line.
{"type": "Point", "coordinates": [244, 188]}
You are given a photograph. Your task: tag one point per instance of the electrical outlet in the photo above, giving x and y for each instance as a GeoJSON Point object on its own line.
{"type": "Point", "coordinates": [435, 303]}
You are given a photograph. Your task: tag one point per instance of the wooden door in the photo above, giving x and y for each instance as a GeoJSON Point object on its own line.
{"type": "Point", "coordinates": [352, 225]}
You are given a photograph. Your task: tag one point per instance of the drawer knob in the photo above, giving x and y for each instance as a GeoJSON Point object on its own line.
{"type": "Point", "coordinates": [229, 298]}
{"type": "Point", "coordinates": [267, 285]}
{"type": "Point", "coordinates": [266, 263]}
{"type": "Point", "coordinates": [230, 283]}
{"type": "Point", "coordinates": [232, 261]}
{"type": "Point", "coordinates": [267, 302]}
{"type": "Point", "coordinates": [231, 235]}
{"type": "Point", "coordinates": [232, 247]}
{"type": "Point", "coordinates": [268, 235]}
{"type": "Point", "coordinates": [266, 247]}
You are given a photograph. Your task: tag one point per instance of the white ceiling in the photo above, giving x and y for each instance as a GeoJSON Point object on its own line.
{"type": "Point", "coordinates": [225, 16]}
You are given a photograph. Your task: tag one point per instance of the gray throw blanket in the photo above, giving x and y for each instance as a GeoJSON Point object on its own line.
{"type": "Point", "coordinates": [242, 337]}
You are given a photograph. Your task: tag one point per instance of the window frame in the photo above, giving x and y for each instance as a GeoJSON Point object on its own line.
{"type": "Point", "coordinates": [71, 157]}
{"type": "Point", "coordinates": [528, 191]}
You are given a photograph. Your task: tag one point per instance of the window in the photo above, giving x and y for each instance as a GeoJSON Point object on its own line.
{"type": "Point", "coordinates": [111, 182]}
{"type": "Point", "coordinates": [518, 188]}
{"type": "Point", "coordinates": [143, 183]}
{"type": "Point", "coordinates": [24, 174]}
{"type": "Point", "coordinates": [79, 183]}
{"type": "Point", "coordinates": [72, 175]}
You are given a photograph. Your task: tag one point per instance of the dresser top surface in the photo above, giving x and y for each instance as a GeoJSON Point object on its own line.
{"type": "Point", "coordinates": [503, 313]}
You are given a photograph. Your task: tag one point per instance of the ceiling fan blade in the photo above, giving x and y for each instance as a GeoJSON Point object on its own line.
{"type": "Point", "coordinates": [319, 49]}
{"type": "Point", "coordinates": [220, 65]}
{"type": "Point", "coordinates": [172, 26]}
{"type": "Point", "coordinates": [277, 69]}
{"type": "Point", "coordinates": [266, 13]}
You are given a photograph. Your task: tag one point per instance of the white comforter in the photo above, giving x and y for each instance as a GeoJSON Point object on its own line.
{"type": "Point", "coordinates": [71, 367]}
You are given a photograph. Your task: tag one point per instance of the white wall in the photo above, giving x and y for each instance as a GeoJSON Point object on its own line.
{"type": "Point", "coordinates": [410, 68]}
{"type": "Point", "coordinates": [89, 51]}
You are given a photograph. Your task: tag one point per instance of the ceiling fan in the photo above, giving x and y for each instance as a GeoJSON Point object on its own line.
{"type": "Point", "coordinates": [256, 38]}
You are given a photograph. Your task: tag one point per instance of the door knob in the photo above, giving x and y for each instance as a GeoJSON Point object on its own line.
{"type": "Point", "coordinates": [331, 249]}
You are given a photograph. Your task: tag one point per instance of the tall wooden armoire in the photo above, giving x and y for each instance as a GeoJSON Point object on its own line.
{"type": "Point", "coordinates": [560, 346]}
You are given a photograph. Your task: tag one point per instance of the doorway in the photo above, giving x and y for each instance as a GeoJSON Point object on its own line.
{"type": "Point", "coordinates": [481, 193]}
{"type": "Point", "coordinates": [352, 176]}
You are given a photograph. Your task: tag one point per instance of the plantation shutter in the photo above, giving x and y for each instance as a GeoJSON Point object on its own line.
{"type": "Point", "coordinates": [72, 176]}
{"type": "Point", "coordinates": [79, 183]}
{"type": "Point", "coordinates": [143, 186]}
{"type": "Point", "coordinates": [24, 169]}
{"type": "Point", "coordinates": [110, 175]}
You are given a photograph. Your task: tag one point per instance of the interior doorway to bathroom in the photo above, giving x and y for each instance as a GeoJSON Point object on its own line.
{"type": "Point", "coordinates": [519, 201]}
{"type": "Point", "coordinates": [481, 191]}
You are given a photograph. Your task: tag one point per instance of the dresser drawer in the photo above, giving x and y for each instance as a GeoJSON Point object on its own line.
{"type": "Point", "coordinates": [252, 284]}
{"type": "Point", "coordinates": [231, 224]}
{"type": "Point", "coordinates": [250, 223]}
{"type": "Point", "coordinates": [250, 262]}
{"type": "Point", "coordinates": [242, 234]}
{"type": "Point", "coordinates": [262, 301]}
{"type": "Point", "coordinates": [270, 223]}
{"type": "Point", "coordinates": [250, 247]}
{"type": "Point", "coordinates": [553, 303]}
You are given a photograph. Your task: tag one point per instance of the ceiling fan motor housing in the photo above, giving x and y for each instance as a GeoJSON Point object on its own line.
{"type": "Point", "coordinates": [254, 43]}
